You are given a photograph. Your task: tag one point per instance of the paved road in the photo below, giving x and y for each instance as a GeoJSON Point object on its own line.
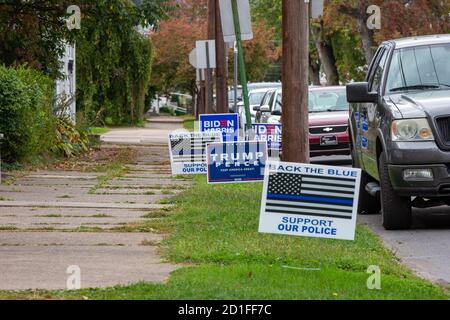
{"type": "Point", "coordinates": [43, 215]}
{"type": "Point", "coordinates": [426, 247]}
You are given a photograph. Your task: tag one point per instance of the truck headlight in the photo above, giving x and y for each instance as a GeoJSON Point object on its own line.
{"type": "Point", "coordinates": [411, 130]}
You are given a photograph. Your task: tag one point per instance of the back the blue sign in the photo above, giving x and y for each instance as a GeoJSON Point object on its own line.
{"type": "Point", "coordinates": [227, 124]}
{"type": "Point", "coordinates": [236, 162]}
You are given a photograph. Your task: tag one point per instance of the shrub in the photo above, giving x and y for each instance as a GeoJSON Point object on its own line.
{"type": "Point", "coordinates": [71, 140]}
{"type": "Point", "coordinates": [167, 110]}
{"type": "Point", "coordinates": [26, 117]}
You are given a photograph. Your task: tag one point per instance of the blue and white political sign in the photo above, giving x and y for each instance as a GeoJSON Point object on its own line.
{"type": "Point", "coordinates": [310, 200]}
{"type": "Point", "coordinates": [188, 151]}
{"type": "Point", "coordinates": [226, 123]}
{"type": "Point", "coordinates": [270, 133]}
{"type": "Point", "coordinates": [236, 162]}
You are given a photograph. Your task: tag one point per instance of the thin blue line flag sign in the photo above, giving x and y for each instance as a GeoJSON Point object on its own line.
{"type": "Point", "coordinates": [188, 151]}
{"type": "Point", "coordinates": [236, 162]}
{"type": "Point", "coordinates": [310, 200]}
{"type": "Point", "coordinates": [226, 123]}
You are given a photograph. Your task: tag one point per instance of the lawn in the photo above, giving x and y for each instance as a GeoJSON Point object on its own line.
{"type": "Point", "coordinates": [189, 123]}
{"type": "Point", "coordinates": [222, 256]}
{"type": "Point", "coordinates": [99, 130]}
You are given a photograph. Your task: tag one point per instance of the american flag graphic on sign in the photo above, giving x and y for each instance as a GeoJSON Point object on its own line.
{"type": "Point", "coordinates": [192, 148]}
{"type": "Point", "coordinates": [310, 200]}
{"type": "Point", "coordinates": [294, 193]}
{"type": "Point", "coordinates": [188, 151]}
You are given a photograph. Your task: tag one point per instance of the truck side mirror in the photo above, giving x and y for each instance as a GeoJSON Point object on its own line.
{"type": "Point", "coordinates": [359, 93]}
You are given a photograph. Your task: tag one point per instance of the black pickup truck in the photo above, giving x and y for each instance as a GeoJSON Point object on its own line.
{"type": "Point", "coordinates": [400, 129]}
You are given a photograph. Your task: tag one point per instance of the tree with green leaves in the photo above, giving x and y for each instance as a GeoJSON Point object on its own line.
{"type": "Point", "coordinates": [113, 58]}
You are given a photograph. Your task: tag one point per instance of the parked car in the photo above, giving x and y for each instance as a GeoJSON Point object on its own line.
{"type": "Point", "coordinates": [328, 119]}
{"type": "Point", "coordinates": [400, 128]}
{"type": "Point", "coordinates": [251, 87]}
{"type": "Point", "coordinates": [255, 98]}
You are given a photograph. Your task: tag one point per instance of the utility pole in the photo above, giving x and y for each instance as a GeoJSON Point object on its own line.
{"type": "Point", "coordinates": [221, 65]}
{"type": "Point", "coordinates": [241, 63]}
{"type": "Point", "coordinates": [201, 95]}
{"type": "Point", "coordinates": [209, 108]}
{"type": "Point", "coordinates": [235, 80]}
{"type": "Point", "coordinates": [295, 74]}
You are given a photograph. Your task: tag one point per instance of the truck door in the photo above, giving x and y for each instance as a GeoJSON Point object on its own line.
{"type": "Point", "coordinates": [368, 115]}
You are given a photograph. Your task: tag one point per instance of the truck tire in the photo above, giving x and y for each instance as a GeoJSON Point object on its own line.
{"type": "Point", "coordinates": [367, 203]}
{"type": "Point", "coordinates": [396, 211]}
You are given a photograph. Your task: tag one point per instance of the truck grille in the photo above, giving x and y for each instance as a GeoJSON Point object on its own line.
{"type": "Point", "coordinates": [328, 129]}
{"type": "Point", "coordinates": [443, 125]}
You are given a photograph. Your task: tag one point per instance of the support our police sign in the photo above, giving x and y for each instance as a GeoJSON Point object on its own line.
{"type": "Point", "coordinates": [310, 200]}
{"type": "Point", "coordinates": [188, 151]}
{"type": "Point", "coordinates": [236, 162]}
{"type": "Point", "coordinates": [227, 124]}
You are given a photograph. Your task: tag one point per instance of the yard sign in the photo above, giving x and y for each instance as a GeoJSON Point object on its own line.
{"type": "Point", "coordinates": [188, 151]}
{"type": "Point", "coordinates": [227, 124]}
{"type": "Point", "coordinates": [310, 200]}
{"type": "Point", "coordinates": [236, 162]}
{"type": "Point", "coordinates": [270, 133]}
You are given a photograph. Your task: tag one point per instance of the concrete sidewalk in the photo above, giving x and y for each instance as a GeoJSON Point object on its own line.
{"type": "Point", "coordinates": [53, 219]}
{"type": "Point", "coordinates": [155, 131]}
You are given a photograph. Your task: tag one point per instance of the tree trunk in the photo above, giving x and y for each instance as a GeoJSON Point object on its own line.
{"type": "Point", "coordinates": [359, 13]}
{"type": "Point", "coordinates": [295, 76]}
{"type": "Point", "coordinates": [326, 55]}
{"type": "Point", "coordinates": [314, 72]}
{"type": "Point", "coordinates": [367, 39]}
{"type": "Point", "coordinates": [209, 107]}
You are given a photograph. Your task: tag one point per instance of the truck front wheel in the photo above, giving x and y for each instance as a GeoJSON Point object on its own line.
{"type": "Point", "coordinates": [396, 211]}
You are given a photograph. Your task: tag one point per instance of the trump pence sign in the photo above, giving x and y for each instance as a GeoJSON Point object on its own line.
{"type": "Point", "coordinates": [236, 162]}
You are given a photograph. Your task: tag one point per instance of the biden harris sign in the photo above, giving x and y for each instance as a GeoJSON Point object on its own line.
{"type": "Point", "coordinates": [271, 133]}
{"type": "Point", "coordinates": [236, 162]}
{"type": "Point", "coordinates": [227, 124]}
{"type": "Point", "coordinates": [310, 200]}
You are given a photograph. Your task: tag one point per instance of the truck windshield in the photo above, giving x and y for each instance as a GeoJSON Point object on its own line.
{"type": "Point", "coordinates": [420, 68]}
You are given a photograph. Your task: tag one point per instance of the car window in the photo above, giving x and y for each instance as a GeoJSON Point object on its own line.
{"type": "Point", "coordinates": [328, 101]}
{"type": "Point", "coordinates": [395, 76]}
{"type": "Point", "coordinates": [256, 97]}
{"type": "Point", "coordinates": [272, 97]}
{"type": "Point", "coordinates": [372, 67]}
{"type": "Point", "coordinates": [420, 68]}
{"type": "Point", "coordinates": [266, 98]}
{"type": "Point", "coordinates": [278, 102]}
{"type": "Point", "coordinates": [321, 101]}
{"type": "Point", "coordinates": [231, 94]}
{"type": "Point", "coordinates": [378, 72]}
{"type": "Point", "coordinates": [440, 57]}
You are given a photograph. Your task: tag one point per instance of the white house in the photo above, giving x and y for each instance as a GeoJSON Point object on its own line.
{"type": "Point", "coordinates": [66, 85]}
